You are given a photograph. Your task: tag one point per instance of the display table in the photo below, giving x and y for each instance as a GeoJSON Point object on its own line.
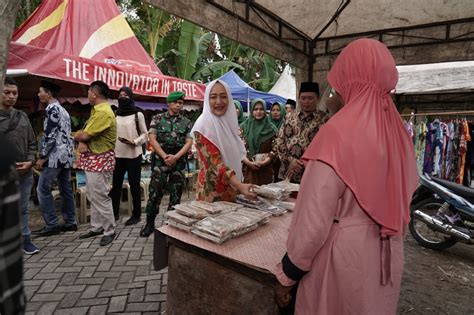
{"type": "Point", "coordinates": [232, 278]}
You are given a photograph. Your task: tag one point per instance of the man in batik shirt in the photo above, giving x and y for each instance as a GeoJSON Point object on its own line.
{"type": "Point", "coordinates": [298, 131]}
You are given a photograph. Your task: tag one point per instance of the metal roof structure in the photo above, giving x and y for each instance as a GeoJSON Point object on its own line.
{"type": "Point", "coordinates": [310, 33]}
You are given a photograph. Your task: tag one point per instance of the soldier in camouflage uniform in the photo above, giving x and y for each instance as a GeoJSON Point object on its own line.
{"type": "Point", "coordinates": [171, 140]}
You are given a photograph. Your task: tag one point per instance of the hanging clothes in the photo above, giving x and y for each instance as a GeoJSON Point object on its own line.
{"type": "Point", "coordinates": [420, 144]}
{"type": "Point", "coordinates": [449, 151]}
{"type": "Point", "coordinates": [465, 137]}
{"type": "Point", "coordinates": [428, 166]}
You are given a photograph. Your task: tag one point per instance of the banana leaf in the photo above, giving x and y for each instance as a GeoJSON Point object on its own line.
{"type": "Point", "coordinates": [188, 45]}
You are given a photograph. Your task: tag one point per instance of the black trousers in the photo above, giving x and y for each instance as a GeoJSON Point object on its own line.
{"type": "Point", "coordinates": [133, 167]}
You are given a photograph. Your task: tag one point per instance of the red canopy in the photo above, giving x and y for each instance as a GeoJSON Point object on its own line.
{"type": "Point", "coordinates": [82, 41]}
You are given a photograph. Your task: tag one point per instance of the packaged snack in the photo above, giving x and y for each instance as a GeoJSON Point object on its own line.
{"type": "Point", "coordinates": [220, 226]}
{"type": "Point", "coordinates": [213, 208]}
{"type": "Point", "coordinates": [212, 238]}
{"type": "Point", "coordinates": [244, 219]}
{"type": "Point", "coordinates": [286, 185]}
{"type": "Point", "coordinates": [244, 230]}
{"type": "Point", "coordinates": [275, 211]}
{"type": "Point", "coordinates": [285, 205]}
{"type": "Point", "coordinates": [256, 204]}
{"type": "Point", "coordinates": [175, 216]}
{"type": "Point", "coordinates": [262, 216]}
{"type": "Point", "coordinates": [179, 226]}
{"type": "Point", "coordinates": [230, 205]}
{"type": "Point", "coordinates": [188, 210]}
{"type": "Point", "coordinates": [271, 192]}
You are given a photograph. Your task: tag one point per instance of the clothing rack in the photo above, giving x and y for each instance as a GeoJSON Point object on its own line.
{"type": "Point", "coordinates": [469, 112]}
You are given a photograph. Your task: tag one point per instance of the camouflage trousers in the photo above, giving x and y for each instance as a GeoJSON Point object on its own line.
{"type": "Point", "coordinates": [163, 177]}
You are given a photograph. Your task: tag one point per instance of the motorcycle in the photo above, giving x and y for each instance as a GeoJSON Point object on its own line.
{"type": "Point", "coordinates": [442, 213]}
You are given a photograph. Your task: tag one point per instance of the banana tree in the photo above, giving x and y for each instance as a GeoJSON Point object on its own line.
{"type": "Point", "coordinates": [188, 46]}
{"type": "Point", "coordinates": [149, 23]}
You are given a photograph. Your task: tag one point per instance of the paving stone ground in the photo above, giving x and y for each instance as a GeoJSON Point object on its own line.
{"type": "Point", "coordinates": [73, 276]}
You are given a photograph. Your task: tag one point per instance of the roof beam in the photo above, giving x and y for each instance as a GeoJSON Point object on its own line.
{"type": "Point", "coordinates": [246, 23]}
{"type": "Point", "coordinates": [413, 36]}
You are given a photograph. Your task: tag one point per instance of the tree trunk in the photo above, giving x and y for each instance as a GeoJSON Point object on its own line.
{"type": "Point", "coordinates": [8, 11]}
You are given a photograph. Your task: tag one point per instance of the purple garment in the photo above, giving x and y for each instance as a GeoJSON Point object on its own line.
{"type": "Point", "coordinates": [428, 165]}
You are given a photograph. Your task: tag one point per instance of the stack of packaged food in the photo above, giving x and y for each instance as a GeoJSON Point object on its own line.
{"type": "Point", "coordinates": [231, 224]}
{"type": "Point", "coordinates": [271, 198]}
{"type": "Point", "coordinates": [186, 214]}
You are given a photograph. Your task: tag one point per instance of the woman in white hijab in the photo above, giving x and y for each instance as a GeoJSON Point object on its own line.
{"type": "Point", "coordinates": [220, 148]}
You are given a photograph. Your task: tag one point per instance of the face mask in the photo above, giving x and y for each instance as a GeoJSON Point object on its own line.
{"type": "Point", "coordinates": [124, 102]}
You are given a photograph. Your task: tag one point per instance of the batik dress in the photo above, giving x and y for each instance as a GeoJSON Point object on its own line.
{"type": "Point", "coordinates": [214, 176]}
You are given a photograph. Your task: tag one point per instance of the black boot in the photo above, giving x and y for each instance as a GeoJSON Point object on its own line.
{"type": "Point", "coordinates": [149, 227]}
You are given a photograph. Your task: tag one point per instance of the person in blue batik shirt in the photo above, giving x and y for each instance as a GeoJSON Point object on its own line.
{"type": "Point", "coordinates": [55, 162]}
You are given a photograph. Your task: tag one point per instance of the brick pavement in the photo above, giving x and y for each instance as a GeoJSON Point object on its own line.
{"type": "Point", "coordinates": [73, 276]}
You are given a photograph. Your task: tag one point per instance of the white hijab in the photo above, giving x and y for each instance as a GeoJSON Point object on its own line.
{"type": "Point", "coordinates": [222, 131]}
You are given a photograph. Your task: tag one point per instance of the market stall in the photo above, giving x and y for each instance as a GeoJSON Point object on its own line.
{"type": "Point", "coordinates": [239, 244]}
{"type": "Point", "coordinates": [197, 269]}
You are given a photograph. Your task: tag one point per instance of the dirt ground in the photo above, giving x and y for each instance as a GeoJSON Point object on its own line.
{"type": "Point", "coordinates": [437, 282]}
{"type": "Point", "coordinates": [433, 282]}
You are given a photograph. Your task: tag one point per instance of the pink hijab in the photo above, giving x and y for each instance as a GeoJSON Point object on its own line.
{"type": "Point", "coordinates": [365, 142]}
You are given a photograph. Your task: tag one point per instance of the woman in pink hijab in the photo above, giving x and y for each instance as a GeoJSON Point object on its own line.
{"type": "Point", "coordinates": [345, 244]}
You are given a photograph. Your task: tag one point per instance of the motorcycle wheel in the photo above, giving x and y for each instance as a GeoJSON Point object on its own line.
{"type": "Point", "coordinates": [422, 233]}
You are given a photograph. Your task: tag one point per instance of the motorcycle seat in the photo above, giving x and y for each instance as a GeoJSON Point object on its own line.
{"type": "Point", "coordinates": [461, 190]}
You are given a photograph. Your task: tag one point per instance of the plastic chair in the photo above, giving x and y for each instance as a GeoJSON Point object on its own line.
{"type": "Point", "coordinates": [145, 185]}
{"type": "Point", "coordinates": [126, 186]}
{"type": "Point", "coordinates": [82, 204]}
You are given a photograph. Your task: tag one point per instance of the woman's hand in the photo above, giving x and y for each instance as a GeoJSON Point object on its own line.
{"type": "Point", "coordinates": [254, 166]}
{"type": "Point", "coordinates": [265, 162]}
{"type": "Point", "coordinates": [82, 147]}
{"type": "Point", "coordinates": [245, 189]}
{"type": "Point", "coordinates": [282, 295]}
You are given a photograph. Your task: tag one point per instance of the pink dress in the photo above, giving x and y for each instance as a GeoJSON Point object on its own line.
{"type": "Point", "coordinates": [351, 270]}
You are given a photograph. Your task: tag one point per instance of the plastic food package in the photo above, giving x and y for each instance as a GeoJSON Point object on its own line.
{"type": "Point", "coordinates": [179, 226]}
{"type": "Point", "coordinates": [256, 204]}
{"type": "Point", "coordinates": [216, 207]}
{"type": "Point", "coordinates": [244, 230]}
{"type": "Point", "coordinates": [285, 205]}
{"type": "Point", "coordinates": [271, 192]}
{"type": "Point", "coordinates": [275, 211]}
{"type": "Point", "coordinates": [212, 238]}
{"type": "Point", "coordinates": [286, 185]}
{"type": "Point", "coordinates": [230, 205]}
{"type": "Point", "coordinates": [191, 211]}
{"type": "Point", "coordinates": [176, 217]}
{"type": "Point", "coordinates": [220, 226]}
{"type": "Point", "coordinates": [245, 219]}
{"type": "Point", "coordinates": [262, 216]}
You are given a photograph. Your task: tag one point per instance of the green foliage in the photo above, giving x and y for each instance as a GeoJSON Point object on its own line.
{"type": "Point", "coordinates": [188, 46]}
{"type": "Point", "coordinates": [26, 8]}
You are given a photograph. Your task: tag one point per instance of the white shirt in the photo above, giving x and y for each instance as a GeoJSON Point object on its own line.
{"type": "Point", "coordinates": [126, 128]}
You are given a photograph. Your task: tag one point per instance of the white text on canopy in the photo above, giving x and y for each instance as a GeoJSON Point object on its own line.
{"type": "Point", "coordinates": [115, 79]}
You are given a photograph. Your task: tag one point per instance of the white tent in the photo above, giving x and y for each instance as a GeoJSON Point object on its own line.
{"type": "Point", "coordinates": [285, 86]}
{"type": "Point", "coordinates": [436, 78]}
